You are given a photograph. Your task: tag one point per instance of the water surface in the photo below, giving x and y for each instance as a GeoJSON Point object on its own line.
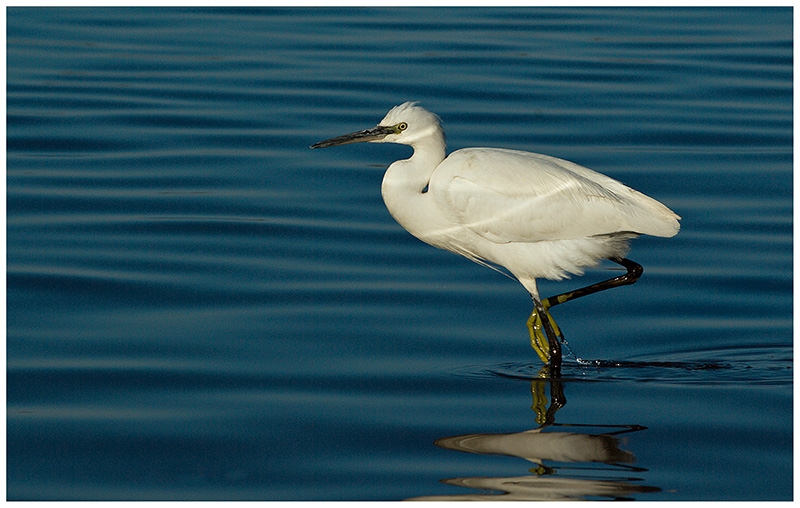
{"type": "Point", "coordinates": [200, 307]}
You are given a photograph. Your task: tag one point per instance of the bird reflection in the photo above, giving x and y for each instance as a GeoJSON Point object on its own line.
{"type": "Point", "coordinates": [568, 444]}
{"type": "Point", "coordinates": [537, 446]}
{"type": "Point", "coordinates": [541, 488]}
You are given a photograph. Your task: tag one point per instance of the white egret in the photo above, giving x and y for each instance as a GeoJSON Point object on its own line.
{"type": "Point", "coordinates": [535, 215]}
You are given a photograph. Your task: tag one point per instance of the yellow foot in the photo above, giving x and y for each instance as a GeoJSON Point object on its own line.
{"type": "Point", "coordinates": [539, 405]}
{"type": "Point", "coordinates": [539, 341]}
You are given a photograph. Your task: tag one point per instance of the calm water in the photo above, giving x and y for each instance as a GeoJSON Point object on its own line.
{"type": "Point", "coordinates": [200, 307]}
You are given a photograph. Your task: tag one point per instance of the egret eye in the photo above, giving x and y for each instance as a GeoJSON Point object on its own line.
{"type": "Point", "coordinates": [401, 127]}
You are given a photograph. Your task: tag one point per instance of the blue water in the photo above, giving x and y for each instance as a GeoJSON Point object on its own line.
{"type": "Point", "coordinates": [200, 307]}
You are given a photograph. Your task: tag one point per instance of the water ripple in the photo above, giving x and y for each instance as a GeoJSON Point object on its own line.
{"type": "Point", "coordinates": [745, 365]}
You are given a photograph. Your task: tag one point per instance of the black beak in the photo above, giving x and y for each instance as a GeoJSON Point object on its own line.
{"type": "Point", "coordinates": [373, 134]}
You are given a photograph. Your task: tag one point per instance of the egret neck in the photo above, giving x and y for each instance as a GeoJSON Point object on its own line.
{"type": "Point", "coordinates": [405, 187]}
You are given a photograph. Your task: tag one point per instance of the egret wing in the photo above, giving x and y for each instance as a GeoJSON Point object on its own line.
{"type": "Point", "coordinates": [512, 196]}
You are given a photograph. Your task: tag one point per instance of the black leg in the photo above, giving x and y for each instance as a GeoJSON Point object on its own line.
{"type": "Point", "coordinates": [540, 320]}
{"type": "Point", "coordinates": [634, 272]}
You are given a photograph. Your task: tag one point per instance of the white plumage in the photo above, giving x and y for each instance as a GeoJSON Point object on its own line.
{"type": "Point", "coordinates": [537, 216]}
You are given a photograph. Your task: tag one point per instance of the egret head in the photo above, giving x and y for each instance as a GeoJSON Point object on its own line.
{"type": "Point", "coordinates": [406, 124]}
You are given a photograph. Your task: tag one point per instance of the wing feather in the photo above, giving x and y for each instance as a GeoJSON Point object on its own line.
{"type": "Point", "coordinates": [512, 196]}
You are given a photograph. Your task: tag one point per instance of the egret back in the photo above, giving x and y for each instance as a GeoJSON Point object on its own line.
{"type": "Point", "coordinates": [514, 196]}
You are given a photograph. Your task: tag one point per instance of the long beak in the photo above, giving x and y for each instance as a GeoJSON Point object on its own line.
{"type": "Point", "coordinates": [373, 134]}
